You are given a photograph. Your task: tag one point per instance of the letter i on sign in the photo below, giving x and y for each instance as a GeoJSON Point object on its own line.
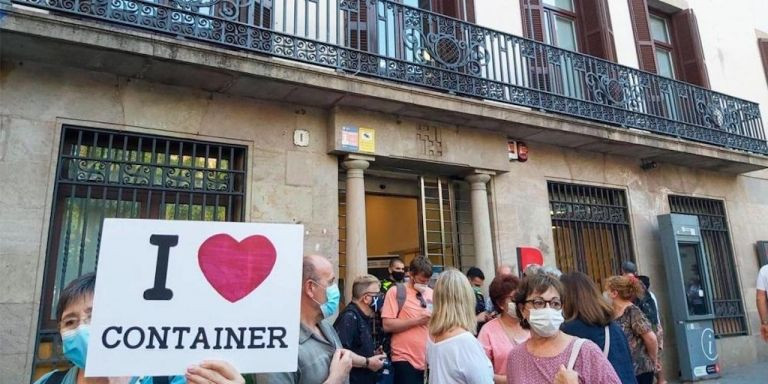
{"type": "Point", "coordinates": [164, 244]}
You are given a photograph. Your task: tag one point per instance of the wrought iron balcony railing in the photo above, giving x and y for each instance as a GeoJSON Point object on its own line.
{"type": "Point", "coordinates": [392, 40]}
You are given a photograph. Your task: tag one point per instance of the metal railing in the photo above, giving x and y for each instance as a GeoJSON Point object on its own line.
{"type": "Point", "coordinates": [399, 42]}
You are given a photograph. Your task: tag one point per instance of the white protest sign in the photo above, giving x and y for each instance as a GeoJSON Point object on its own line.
{"type": "Point", "coordinates": [170, 294]}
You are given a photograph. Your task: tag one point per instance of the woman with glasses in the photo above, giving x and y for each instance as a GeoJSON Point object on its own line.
{"type": "Point", "coordinates": [503, 333]}
{"type": "Point", "coordinates": [453, 353]}
{"type": "Point", "coordinates": [621, 291]}
{"type": "Point", "coordinates": [73, 313]}
{"type": "Point", "coordinates": [589, 315]}
{"type": "Point", "coordinates": [551, 356]}
{"type": "Point", "coordinates": [355, 329]}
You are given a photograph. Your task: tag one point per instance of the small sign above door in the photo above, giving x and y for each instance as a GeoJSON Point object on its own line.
{"type": "Point", "coordinates": [358, 139]}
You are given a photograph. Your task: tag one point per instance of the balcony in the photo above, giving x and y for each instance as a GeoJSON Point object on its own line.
{"type": "Point", "coordinates": [392, 41]}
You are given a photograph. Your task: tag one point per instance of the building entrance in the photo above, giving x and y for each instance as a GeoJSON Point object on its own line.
{"type": "Point", "coordinates": [409, 215]}
{"type": "Point", "coordinates": [392, 230]}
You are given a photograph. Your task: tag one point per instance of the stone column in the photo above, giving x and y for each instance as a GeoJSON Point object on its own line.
{"type": "Point", "coordinates": [481, 224]}
{"type": "Point", "coordinates": [357, 249]}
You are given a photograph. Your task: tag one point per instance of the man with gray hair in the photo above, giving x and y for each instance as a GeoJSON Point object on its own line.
{"type": "Point", "coordinates": [354, 327]}
{"type": "Point", "coordinates": [322, 358]}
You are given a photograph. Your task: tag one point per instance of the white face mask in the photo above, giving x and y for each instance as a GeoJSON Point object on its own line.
{"type": "Point", "coordinates": [420, 287]}
{"type": "Point", "coordinates": [511, 310]}
{"type": "Point", "coordinates": [546, 321]}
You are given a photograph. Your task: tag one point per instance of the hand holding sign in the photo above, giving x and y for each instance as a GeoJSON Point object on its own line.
{"type": "Point", "coordinates": [341, 364]}
{"type": "Point", "coordinates": [213, 372]}
{"type": "Point", "coordinates": [172, 293]}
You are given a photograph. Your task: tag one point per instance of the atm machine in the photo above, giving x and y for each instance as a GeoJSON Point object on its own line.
{"type": "Point", "coordinates": [690, 294]}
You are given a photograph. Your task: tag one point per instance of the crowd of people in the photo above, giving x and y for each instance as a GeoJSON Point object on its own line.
{"type": "Point", "coordinates": [545, 327]}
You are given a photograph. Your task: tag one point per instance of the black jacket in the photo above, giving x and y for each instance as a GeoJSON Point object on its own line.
{"type": "Point", "coordinates": [355, 332]}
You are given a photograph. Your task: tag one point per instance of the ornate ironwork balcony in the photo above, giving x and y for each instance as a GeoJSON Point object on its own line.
{"type": "Point", "coordinates": [394, 41]}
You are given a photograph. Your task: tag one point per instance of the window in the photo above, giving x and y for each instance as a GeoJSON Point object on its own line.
{"type": "Point", "coordinates": [105, 174]}
{"type": "Point", "coordinates": [576, 25]}
{"type": "Point", "coordinates": [730, 319]}
{"type": "Point", "coordinates": [762, 45]}
{"type": "Point", "coordinates": [662, 45]}
{"type": "Point", "coordinates": [668, 43]}
{"type": "Point", "coordinates": [381, 28]}
{"type": "Point", "coordinates": [560, 24]}
{"type": "Point", "coordinates": [590, 226]}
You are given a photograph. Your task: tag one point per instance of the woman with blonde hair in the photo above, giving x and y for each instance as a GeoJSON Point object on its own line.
{"type": "Point", "coordinates": [453, 353]}
{"type": "Point", "coordinates": [621, 291]}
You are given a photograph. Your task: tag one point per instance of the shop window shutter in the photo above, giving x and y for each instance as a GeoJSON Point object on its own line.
{"type": "Point", "coordinates": [595, 22]}
{"type": "Point", "coordinates": [532, 19]}
{"type": "Point", "coordinates": [763, 45]}
{"type": "Point", "coordinates": [638, 11]}
{"type": "Point", "coordinates": [687, 45]}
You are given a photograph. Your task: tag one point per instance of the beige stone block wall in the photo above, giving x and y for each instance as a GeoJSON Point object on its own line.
{"type": "Point", "coordinates": [399, 138]}
{"type": "Point", "coordinates": [288, 184]}
{"type": "Point", "coordinates": [522, 210]}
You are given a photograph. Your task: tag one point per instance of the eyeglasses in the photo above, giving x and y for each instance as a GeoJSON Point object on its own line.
{"type": "Point", "coordinates": [421, 299]}
{"type": "Point", "coordinates": [72, 322]}
{"type": "Point", "coordinates": [539, 303]}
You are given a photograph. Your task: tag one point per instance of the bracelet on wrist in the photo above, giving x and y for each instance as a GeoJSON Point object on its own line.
{"type": "Point", "coordinates": [366, 363]}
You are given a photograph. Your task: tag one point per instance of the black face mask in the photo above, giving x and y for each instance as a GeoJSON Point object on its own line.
{"type": "Point", "coordinates": [375, 303]}
{"type": "Point", "coordinates": [398, 276]}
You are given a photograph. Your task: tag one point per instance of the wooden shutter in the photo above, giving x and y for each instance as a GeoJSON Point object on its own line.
{"type": "Point", "coordinates": [595, 27]}
{"type": "Point", "coordinates": [533, 12]}
{"type": "Point", "coordinates": [763, 46]}
{"type": "Point", "coordinates": [687, 44]}
{"type": "Point", "coordinates": [358, 27]}
{"type": "Point", "coordinates": [470, 6]}
{"type": "Point", "coordinates": [262, 15]}
{"type": "Point", "coordinates": [646, 54]}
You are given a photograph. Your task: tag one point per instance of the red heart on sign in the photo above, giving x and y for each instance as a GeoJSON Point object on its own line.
{"type": "Point", "coordinates": [234, 269]}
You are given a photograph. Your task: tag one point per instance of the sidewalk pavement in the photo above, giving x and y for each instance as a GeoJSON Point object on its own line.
{"type": "Point", "coordinates": [749, 374]}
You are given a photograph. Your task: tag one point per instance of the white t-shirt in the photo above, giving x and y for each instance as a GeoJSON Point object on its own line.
{"type": "Point", "coordinates": [762, 278]}
{"type": "Point", "coordinates": [460, 359]}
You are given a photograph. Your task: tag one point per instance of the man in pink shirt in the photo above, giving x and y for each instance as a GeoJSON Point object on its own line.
{"type": "Point", "coordinates": [408, 323]}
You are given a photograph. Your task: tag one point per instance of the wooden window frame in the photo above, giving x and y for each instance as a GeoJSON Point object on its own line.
{"type": "Point", "coordinates": [668, 47]}
{"type": "Point", "coordinates": [762, 46]}
{"type": "Point", "coordinates": [550, 13]}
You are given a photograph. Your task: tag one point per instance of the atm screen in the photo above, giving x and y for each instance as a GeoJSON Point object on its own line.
{"type": "Point", "coordinates": [695, 289]}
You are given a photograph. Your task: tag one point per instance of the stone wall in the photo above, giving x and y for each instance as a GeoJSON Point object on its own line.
{"type": "Point", "coordinates": [288, 184]}
{"type": "Point", "coordinates": [522, 215]}
{"type": "Point", "coordinates": [299, 184]}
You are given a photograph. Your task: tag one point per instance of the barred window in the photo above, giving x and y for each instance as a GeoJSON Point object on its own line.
{"type": "Point", "coordinates": [590, 226]}
{"type": "Point", "coordinates": [730, 319]}
{"type": "Point", "coordinates": [103, 174]}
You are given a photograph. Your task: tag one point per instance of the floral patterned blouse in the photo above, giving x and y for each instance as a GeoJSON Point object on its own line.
{"type": "Point", "coordinates": [634, 324]}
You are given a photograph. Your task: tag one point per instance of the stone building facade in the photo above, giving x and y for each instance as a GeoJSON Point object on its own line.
{"type": "Point", "coordinates": [100, 117]}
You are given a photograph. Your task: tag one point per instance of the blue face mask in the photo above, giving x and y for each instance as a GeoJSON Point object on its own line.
{"type": "Point", "coordinates": [75, 344]}
{"type": "Point", "coordinates": [332, 297]}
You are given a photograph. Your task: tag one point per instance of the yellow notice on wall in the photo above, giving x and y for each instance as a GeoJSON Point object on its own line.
{"type": "Point", "coordinates": [367, 140]}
